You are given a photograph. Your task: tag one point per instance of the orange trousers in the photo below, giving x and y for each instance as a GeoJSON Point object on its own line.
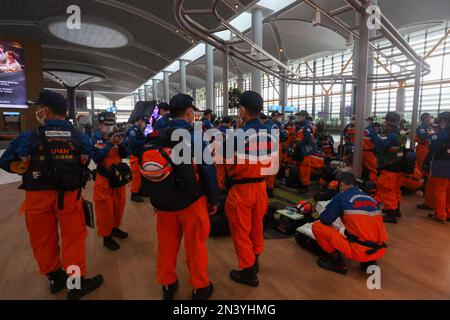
{"type": "Point", "coordinates": [330, 240]}
{"type": "Point", "coordinates": [43, 217]}
{"type": "Point", "coordinates": [193, 223]}
{"type": "Point", "coordinates": [135, 184]}
{"type": "Point", "coordinates": [422, 150]}
{"type": "Point", "coordinates": [109, 206]}
{"type": "Point", "coordinates": [304, 171]}
{"type": "Point", "coordinates": [412, 181]}
{"type": "Point", "coordinates": [441, 197]}
{"type": "Point", "coordinates": [245, 208]}
{"type": "Point", "coordinates": [370, 163]}
{"type": "Point", "coordinates": [388, 189]}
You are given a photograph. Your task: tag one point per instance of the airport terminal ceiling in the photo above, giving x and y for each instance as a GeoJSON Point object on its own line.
{"type": "Point", "coordinates": [130, 41]}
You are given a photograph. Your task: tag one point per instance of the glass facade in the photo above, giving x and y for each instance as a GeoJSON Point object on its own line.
{"type": "Point", "coordinates": [432, 43]}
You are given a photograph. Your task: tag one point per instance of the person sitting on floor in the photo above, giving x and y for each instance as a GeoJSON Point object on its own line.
{"type": "Point", "coordinates": [365, 234]}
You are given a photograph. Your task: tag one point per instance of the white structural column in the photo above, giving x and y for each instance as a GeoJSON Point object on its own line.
{"type": "Point", "coordinates": [146, 97]}
{"type": "Point", "coordinates": [257, 37]}
{"type": "Point", "coordinates": [209, 81]}
{"type": "Point", "coordinates": [155, 89]}
{"type": "Point", "coordinates": [166, 86]}
{"type": "Point", "coordinates": [326, 108]}
{"type": "Point", "coordinates": [283, 92]}
{"type": "Point", "coordinates": [416, 100]}
{"type": "Point", "coordinates": [135, 98]}
{"type": "Point", "coordinates": [92, 106]}
{"type": "Point", "coordinates": [183, 76]}
{"type": "Point", "coordinates": [141, 95]}
{"type": "Point", "coordinates": [400, 101]}
{"type": "Point", "coordinates": [370, 71]}
{"type": "Point", "coordinates": [361, 94]}
{"type": "Point", "coordinates": [240, 82]}
{"type": "Point", "coordinates": [225, 76]}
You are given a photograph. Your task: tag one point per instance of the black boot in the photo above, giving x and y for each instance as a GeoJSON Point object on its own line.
{"type": "Point", "coordinates": [136, 198]}
{"type": "Point", "coordinates": [256, 264]}
{"type": "Point", "coordinates": [270, 193]}
{"type": "Point", "coordinates": [245, 276]}
{"type": "Point", "coordinates": [169, 290]}
{"type": "Point", "coordinates": [203, 293]}
{"type": "Point", "coordinates": [365, 265]}
{"type": "Point", "coordinates": [117, 233]}
{"type": "Point", "coordinates": [110, 243]}
{"type": "Point", "coordinates": [435, 218]}
{"type": "Point", "coordinates": [87, 285]}
{"type": "Point", "coordinates": [57, 280]}
{"type": "Point", "coordinates": [303, 190]}
{"type": "Point", "coordinates": [332, 262]}
{"type": "Point", "coordinates": [390, 216]}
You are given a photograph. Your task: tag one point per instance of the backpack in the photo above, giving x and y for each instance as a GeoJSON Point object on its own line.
{"type": "Point", "coordinates": [170, 186]}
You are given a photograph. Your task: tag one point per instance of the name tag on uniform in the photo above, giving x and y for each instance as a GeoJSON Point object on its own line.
{"type": "Point", "coordinates": [399, 154]}
{"type": "Point", "coordinates": [54, 134]}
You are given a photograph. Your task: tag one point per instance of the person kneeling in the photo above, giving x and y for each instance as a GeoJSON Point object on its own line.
{"type": "Point", "coordinates": [365, 234]}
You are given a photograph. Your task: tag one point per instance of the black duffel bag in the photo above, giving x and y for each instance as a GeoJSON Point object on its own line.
{"type": "Point", "coordinates": [118, 175]}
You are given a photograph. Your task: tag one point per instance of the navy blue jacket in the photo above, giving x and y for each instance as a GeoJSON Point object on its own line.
{"type": "Point", "coordinates": [20, 146]}
{"type": "Point", "coordinates": [135, 140]}
{"type": "Point", "coordinates": [206, 172]}
{"type": "Point", "coordinates": [99, 154]}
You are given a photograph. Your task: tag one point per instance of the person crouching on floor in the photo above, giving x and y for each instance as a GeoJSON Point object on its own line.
{"type": "Point", "coordinates": [365, 234]}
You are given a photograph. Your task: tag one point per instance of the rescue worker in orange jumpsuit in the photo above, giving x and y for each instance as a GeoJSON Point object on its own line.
{"type": "Point", "coordinates": [304, 139]}
{"type": "Point", "coordinates": [192, 222]}
{"type": "Point", "coordinates": [370, 162]}
{"type": "Point", "coordinates": [135, 141]}
{"type": "Point", "coordinates": [326, 144]}
{"type": "Point", "coordinates": [423, 135]}
{"type": "Point", "coordinates": [365, 234]}
{"type": "Point", "coordinates": [390, 150]}
{"type": "Point", "coordinates": [440, 169]}
{"type": "Point", "coordinates": [247, 199]}
{"type": "Point", "coordinates": [109, 150]}
{"type": "Point", "coordinates": [349, 132]}
{"type": "Point", "coordinates": [49, 205]}
{"type": "Point", "coordinates": [274, 123]}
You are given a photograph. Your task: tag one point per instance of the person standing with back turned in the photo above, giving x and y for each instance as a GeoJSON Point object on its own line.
{"type": "Point", "coordinates": [247, 199]}
{"type": "Point", "coordinates": [53, 162]}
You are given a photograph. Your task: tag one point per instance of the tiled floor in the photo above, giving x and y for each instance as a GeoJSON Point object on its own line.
{"type": "Point", "coordinates": [6, 177]}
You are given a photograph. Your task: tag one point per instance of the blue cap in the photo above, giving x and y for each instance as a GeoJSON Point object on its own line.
{"type": "Point", "coordinates": [181, 101]}
{"type": "Point", "coordinates": [55, 101]}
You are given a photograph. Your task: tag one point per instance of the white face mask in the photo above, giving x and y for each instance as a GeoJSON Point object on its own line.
{"type": "Point", "coordinates": [107, 129]}
{"type": "Point", "coordinates": [41, 120]}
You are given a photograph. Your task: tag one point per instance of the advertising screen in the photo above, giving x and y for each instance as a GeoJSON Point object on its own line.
{"type": "Point", "coordinates": [12, 75]}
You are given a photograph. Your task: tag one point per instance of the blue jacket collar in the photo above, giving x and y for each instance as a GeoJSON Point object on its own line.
{"type": "Point", "coordinates": [58, 123]}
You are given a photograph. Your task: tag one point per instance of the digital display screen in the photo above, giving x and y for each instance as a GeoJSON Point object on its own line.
{"type": "Point", "coordinates": [13, 92]}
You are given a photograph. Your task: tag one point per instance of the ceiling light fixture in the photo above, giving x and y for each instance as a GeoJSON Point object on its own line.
{"type": "Point", "coordinates": [95, 32]}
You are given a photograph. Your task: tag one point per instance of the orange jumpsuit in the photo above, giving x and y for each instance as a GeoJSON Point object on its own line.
{"type": "Point", "coordinates": [412, 181]}
{"type": "Point", "coordinates": [422, 145]}
{"type": "Point", "coordinates": [191, 223]}
{"type": "Point", "coordinates": [135, 184]}
{"type": "Point", "coordinates": [362, 219]}
{"type": "Point", "coordinates": [57, 229]}
{"type": "Point", "coordinates": [305, 136]}
{"type": "Point", "coordinates": [440, 192]}
{"type": "Point", "coordinates": [370, 162]}
{"type": "Point", "coordinates": [109, 202]}
{"type": "Point", "coordinates": [246, 206]}
{"type": "Point", "coordinates": [389, 181]}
